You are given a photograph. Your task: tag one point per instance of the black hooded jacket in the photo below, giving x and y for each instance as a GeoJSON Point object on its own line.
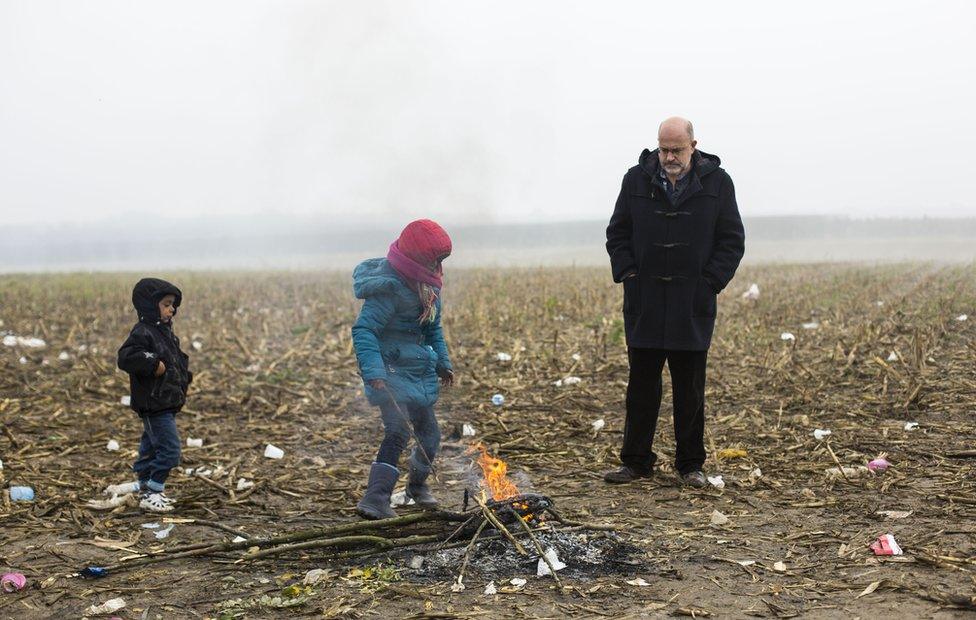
{"type": "Point", "coordinates": [150, 342]}
{"type": "Point", "coordinates": [684, 253]}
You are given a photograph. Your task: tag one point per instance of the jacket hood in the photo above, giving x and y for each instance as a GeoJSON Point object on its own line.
{"type": "Point", "coordinates": [374, 276]}
{"type": "Point", "coordinates": [146, 295]}
{"type": "Point", "coordinates": [703, 163]}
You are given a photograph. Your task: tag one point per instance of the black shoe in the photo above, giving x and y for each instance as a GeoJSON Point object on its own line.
{"type": "Point", "coordinates": [694, 479]}
{"type": "Point", "coordinates": [376, 502]}
{"type": "Point", "coordinates": [624, 475]}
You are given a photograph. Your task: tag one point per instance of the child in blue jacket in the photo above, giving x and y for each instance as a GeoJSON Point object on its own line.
{"type": "Point", "coordinates": [401, 353]}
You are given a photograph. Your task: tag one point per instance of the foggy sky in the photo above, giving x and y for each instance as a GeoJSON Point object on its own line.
{"type": "Point", "coordinates": [465, 112]}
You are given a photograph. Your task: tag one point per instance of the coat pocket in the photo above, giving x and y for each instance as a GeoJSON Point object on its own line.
{"type": "Point", "coordinates": [632, 300]}
{"type": "Point", "coordinates": [704, 303]}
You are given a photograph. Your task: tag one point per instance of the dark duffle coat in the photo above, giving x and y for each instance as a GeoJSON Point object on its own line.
{"type": "Point", "coordinates": [684, 254]}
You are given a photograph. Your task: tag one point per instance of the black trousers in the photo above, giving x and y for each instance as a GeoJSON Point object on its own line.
{"type": "Point", "coordinates": [644, 402]}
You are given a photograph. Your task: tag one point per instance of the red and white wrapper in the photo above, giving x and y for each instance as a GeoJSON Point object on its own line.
{"type": "Point", "coordinates": [886, 545]}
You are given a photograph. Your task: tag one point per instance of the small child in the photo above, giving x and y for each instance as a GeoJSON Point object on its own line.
{"type": "Point", "coordinates": [401, 353]}
{"type": "Point", "coordinates": [159, 376]}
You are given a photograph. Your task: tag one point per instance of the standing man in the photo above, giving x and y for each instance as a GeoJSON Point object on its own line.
{"type": "Point", "coordinates": [675, 240]}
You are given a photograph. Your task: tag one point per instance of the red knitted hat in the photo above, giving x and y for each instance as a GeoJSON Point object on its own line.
{"type": "Point", "coordinates": [424, 241]}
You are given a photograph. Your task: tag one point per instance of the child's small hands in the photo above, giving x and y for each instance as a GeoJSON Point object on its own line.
{"type": "Point", "coordinates": [447, 377]}
{"type": "Point", "coordinates": [377, 384]}
{"type": "Point", "coordinates": [160, 369]}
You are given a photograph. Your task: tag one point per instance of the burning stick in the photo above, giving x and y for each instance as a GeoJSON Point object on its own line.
{"type": "Point", "coordinates": [499, 525]}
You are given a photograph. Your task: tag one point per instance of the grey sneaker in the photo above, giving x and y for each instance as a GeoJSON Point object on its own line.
{"type": "Point", "coordinates": [694, 479]}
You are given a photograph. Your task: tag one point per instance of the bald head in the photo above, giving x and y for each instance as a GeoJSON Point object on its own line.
{"type": "Point", "coordinates": [676, 128]}
{"type": "Point", "coordinates": [676, 146]}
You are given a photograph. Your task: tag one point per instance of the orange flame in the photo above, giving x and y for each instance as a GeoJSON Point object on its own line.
{"type": "Point", "coordinates": [495, 475]}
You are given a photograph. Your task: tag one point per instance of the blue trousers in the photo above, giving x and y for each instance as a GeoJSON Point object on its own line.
{"type": "Point", "coordinates": [159, 450]}
{"type": "Point", "coordinates": [397, 435]}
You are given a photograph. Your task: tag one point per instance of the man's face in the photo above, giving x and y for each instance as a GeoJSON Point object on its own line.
{"type": "Point", "coordinates": [674, 152]}
{"type": "Point", "coordinates": [167, 308]}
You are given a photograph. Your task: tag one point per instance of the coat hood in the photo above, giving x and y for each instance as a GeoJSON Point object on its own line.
{"type": "Point", "coordinates": [146, 295]}
{"type": "Point", "coordinates": [374, 276]}
{"type": "Point", "coordinates": [704, 163]}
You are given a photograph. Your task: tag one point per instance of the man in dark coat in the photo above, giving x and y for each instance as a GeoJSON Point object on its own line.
{"type": "Point", "coordinates": [675, 240]}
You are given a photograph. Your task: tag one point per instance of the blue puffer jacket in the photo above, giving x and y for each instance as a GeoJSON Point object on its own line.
{"type": "Point", "coordinates": [390, 342]}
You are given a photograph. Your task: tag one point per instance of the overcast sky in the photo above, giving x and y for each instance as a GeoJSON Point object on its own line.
{"type": "Point", "coordinates": [468, 112]}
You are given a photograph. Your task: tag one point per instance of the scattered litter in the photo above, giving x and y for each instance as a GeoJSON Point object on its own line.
{"type": "Point", "coordinates": [779, 567]}
{"type": "Point", "coordinates": [150, 526]}
{"type": "Point", "coordinates": [716, 481]}
{"type": "Point", "coordinates": [962, 317]}
{"type": "Point", "coordinates": [811, 325]}
{"type": "Point", "coordinates": [197, 345]}
{"type": "Point", "coordinates": [886, 545]}
{"type": "Point", "coordinates": [598, 424]}
{"type": "Point", "coordinates": [25, 342]}
{"type": "Point", "coordinates": [252, 368]}
{"type": "Point", "coordinates": [755, 474]}
{"type": "Point", "coordinates": [108, 504]}
{"type": "Point", "coordinates": [400, 499]}
{"type": "Point", "coordinates": [911, 426]}
{"type": "Point", "coordinates": [194, 442]}
{"type": "Point", "coordinates": [315, 576]}
{"type": "Point", "coordinates": [639, 582]}
{"type": "Point", "coordinates": [121, 489]}
{"type": "Point", "coordinates": [273, 452]}
{"type": "Point", "coordinates": [543, 569]}
{"type": "Point", "coordinates": [745, 562]}
{"type": "Point", "coordinates": [468, 431]}
{"type": "Point", "coordinates": [879, 464]}
{"type": "Point", "coordinates": [894, 514]}
{"type": "Point", "coordinates": [879, 303]}
{"type": "Point", "coordinates": [718, 518]}
{"type": "Point", "coordinates": [417, 562]}
{"type": "Point", "coordinates": [11, 582]}
{"type": "Point", "coordinates": [21, 494]}
{"type": "Point", "coordinates": [892, 357]}
{"type": "Point", "coordinates": [491, 589]}
{"type": "Point", "coordinates": [787, 336]}
{"type": "Point", "coordinates": [503, 357]}
{"type": "Point", "coordinates": [93, 572]}
{"type": "Point", "coordinates": [63, 356]}
{"type": "Point", "coordinates": [164, 533]}
{"type": "Point", "coordinates": [849, 472]}
{"type": "Point", "coordinates": [568, 381]}
{"type": "Point", "coordinates": [126, 400]}
{"type": "Point", "coordinates": [498, 400]}
{"type": "Point", "coordinates": [238, 539]}
{"type": "Point", "coordinates": [244, 484]}
{"type": "Point", "coordinates": [731, 453]}
{"type": "Point", "coordinates": [1, 464]}
{"type": "Point", "coordinates": [458, 586]}
{"type": "Point", "coordinates": [821, 433]}
{"type": "Point", "coordinates": [22, 360]}
{"type": "Point", "coordinates": [518, 582]}
{"type": "Point", "coordinates": [576, 357]}
{"type": "Point", "coordinates": [112, 445]}
{"type": "Point", "coordinates": [108, 607]}
{"type": "Point", "coordinates": [752, 292]}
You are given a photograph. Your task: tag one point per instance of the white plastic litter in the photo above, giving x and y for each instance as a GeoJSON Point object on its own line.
{"type": "Point", "coordinates": [639, 582]}
{"type": "Point", "coordinates": [194, 442]}
{"type": "Point", "coordinates": [26, 342]}
{"type": "Point", "coordinates": [400, 499]}
{"type": "Point", "coordinates": [1, 465]}
{"type": "Point", "coordinates": [752, 293]}
{"type": "Point", "coordinates": [107, 504]}
{"type": "Point", "coordinates": [197, 345]}
{"type": "Point", "coordinates": [576, 357]}
{"type": "Point", "coordinates": [568, 381]}
{"type": "Point", "coordinates": [22, 360]}
{"type": "Point", "coordinates": [849, 472]}
{"type": "Point", "coordinates": [787, 336]}
{"type": "Point", "coordinates": [745, 562]}
{"type": "Point", "coordinates": [417, 562]}
{"type": "Point", "coordinates": [315, 576]}
{"type": "Point", "coordinates": [121, 489]}
{"type": "Point", "coordinates": [779, 567]}
{"type": "Point", "coordinates": [962, 317]}
{"type": "Point", "coordinates": [238, 539]}
{"type": "Point", "coordinates": [755, 474]}
{"type": "Point", "coordinates": [253, 368]}
{"type": "Point", "coordinates": [716, 481]}
{"type": "Point", "coordinates": [598, 424]}
{"type": "Point", "coordinates": [458, 586]}
{"type": "Point", "coordinates": [879, 303]}
{"type": "Point", "coordinates": [911, 426]}
{"type": "Point", "coordinates": [163, 533]}
{"type": "Point", "coordinates": [718, 518]}
{"type": "Point", "coordinates": [820, 434]}
{"type": "Point", "coordinates": [108, 607]}
{"type": "Point", "coordinates": [126, 400]}
{"type": "Point", "coordinates": [498, 400]}
{"type": "Point", "coordinates": [518, 582]}
{"type": "Point", "coordinates": [491, 589]}
{"type": "Point", "coordinates": [468, 431]}
{"type": "Point", "coordinates": [503, 357]}
{"type": "Point", "coordinates": [811, 325]}
{"type": "Point", "coordinates": [112, 445]}
{"type": "Point", "coordinates": [244, 484]}
{"type": "Point", "coordinates": [63, 356]}
{"type": "Point", "coordinates": [895, 514]}
{"type": "Point", "coordinates": [543, 569]}
{"type": "Point", "coordinates": [273, 452]}
{"type": "Point", "coordinates": [892, 357]}
{"type": "Point", "coordinates": [150, 526]}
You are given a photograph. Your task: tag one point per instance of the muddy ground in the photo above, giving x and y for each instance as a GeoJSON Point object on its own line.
{"type": "Point", "coordinates": [274, 365]}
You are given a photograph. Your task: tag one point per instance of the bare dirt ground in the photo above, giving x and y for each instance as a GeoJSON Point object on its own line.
{"type": "Point", "coordinates": [274, 365]}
